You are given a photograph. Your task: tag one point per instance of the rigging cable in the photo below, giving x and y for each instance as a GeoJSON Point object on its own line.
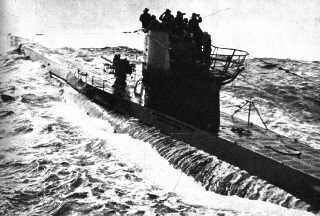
{"type": "Point", "coordinates": [316, 85]}
{"type": "Point", "coordinates": [292, 73]}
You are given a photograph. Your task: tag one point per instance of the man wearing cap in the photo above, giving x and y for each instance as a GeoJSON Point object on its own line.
{"type": "Point", "coordinates": [179, 23]}
{"type": "Point", "coordinates": [195, 29]}
{"type": "Point", "coordinates": [194, 23]}
{"type": "Point", "coordinates": [167, 20]}
{"type": "Point", "coordinates": [145, 18]}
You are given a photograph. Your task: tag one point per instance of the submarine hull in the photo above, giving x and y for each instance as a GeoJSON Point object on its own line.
{"type": "Point", "coordinates": [297, 175]}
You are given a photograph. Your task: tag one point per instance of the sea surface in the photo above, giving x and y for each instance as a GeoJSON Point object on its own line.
{"type": "Point", "coordinates": [286, 94]}
{"type": "Point", "coordinates": [61, 154]}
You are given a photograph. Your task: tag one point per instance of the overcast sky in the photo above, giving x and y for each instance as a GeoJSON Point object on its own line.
{"type": "Point", "coordinates": [271, 28]}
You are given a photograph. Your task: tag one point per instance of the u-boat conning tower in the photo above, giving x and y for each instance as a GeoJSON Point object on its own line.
{"type": "Point", "coordinates": [183, 83]}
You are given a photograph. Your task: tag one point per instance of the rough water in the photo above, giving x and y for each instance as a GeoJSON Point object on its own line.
{"type": "Point", "coordinates": [286, 93]}
{"type": "Point", "coordinates": [60, 154]}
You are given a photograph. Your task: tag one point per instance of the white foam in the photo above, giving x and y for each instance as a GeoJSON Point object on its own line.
{"type": "Point", "coordinates": [156, 169]}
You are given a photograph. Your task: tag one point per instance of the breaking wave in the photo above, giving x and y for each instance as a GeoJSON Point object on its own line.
{"type": "Point", "coordinates": [61, 154]}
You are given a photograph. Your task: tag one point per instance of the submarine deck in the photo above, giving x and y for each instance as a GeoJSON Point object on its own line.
{"type": "Point", "coordinates": [282, 161]}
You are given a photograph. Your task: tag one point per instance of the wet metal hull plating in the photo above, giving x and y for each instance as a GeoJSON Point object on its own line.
{"type": "Point", "coordinates": [297, 174]}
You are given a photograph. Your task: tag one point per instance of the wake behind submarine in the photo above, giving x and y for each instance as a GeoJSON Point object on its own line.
{"type": "Point", "coordinates": [177, 91]}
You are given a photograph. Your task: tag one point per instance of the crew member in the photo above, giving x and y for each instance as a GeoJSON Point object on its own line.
{"type": "Point", "coordinates": [185, 24]}
{"type": "Point", "coordinates": [154, 23]}
{"type": "Point", "coordinates": [145, 18]}
{"type": "Point", "coordinates": [122, 68]}
{"type": "Point", "coordinates": [195, 29]}
{"type": "Point", "coordinates": [194, 23]}
{"type": "Point", "coordinates": [206, 39]}
{"type": "Point", "coordinates": [167, 20]}
{"type": "Point", "coordinates": [115, 61]}
{"type": "Point", "coordinates": [179, 23]}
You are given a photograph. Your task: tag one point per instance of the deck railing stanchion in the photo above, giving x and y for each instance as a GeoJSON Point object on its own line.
{"type": "Point", "coordinates": [227, 62]}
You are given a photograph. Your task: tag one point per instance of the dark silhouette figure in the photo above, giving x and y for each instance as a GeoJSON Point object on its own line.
{"type": "Point", "coordinates": [154, 23]}
{"type": "Point", "coordinates": [195, 30]}
{"type": "Point", "coordinates": [185, 24]}
{"type": "Point", "coordinates": [115, 61]}
{"type": "Point", "coordinates": [179, 18]}
{"type": "Point", "coordinates": [122, 67]}
{"type": "Point", "coordinates": [167, 20]}
{"type": "Point", "coordinates": [145, 18]}
{"type": "Point", "coordinates": [179, 23]}
{"type": "Point", "coordinates": [206, 42]}
{"type": "Point", "coordinates": [194, 23]}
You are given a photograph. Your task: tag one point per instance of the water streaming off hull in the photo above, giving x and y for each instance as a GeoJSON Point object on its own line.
{"type": "Point", "coordinates": [61, 154]}
{"type": "Point", "coordinates": [212, 173]}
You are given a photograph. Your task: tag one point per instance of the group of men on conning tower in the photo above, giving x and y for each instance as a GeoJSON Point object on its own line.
{"type": "Point", "coordinates": [182, 31]}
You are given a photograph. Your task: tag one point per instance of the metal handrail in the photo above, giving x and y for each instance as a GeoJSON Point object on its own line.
{"type": "Point", "coordinates": [233, 49]}
{"type": "Point", "coordinates": [227, 62]}
{"type": "Point", "coordinates": [93, 78]}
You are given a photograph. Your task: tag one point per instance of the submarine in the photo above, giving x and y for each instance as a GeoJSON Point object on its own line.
{"type": "Point", "coordinates": [177, 91]}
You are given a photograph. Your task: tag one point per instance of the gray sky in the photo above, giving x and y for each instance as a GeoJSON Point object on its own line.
{"type": "Point", "coordinates": [272, 28]}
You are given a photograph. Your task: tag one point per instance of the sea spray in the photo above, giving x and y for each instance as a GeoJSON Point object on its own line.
{"type": "Point", "coordinates": [72, 162]}
{"type": "Point", "coordinates": [212, 173]}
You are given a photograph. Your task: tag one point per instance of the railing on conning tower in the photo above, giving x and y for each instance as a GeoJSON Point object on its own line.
{"type": "Point", "coordinates": [227, 63]}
